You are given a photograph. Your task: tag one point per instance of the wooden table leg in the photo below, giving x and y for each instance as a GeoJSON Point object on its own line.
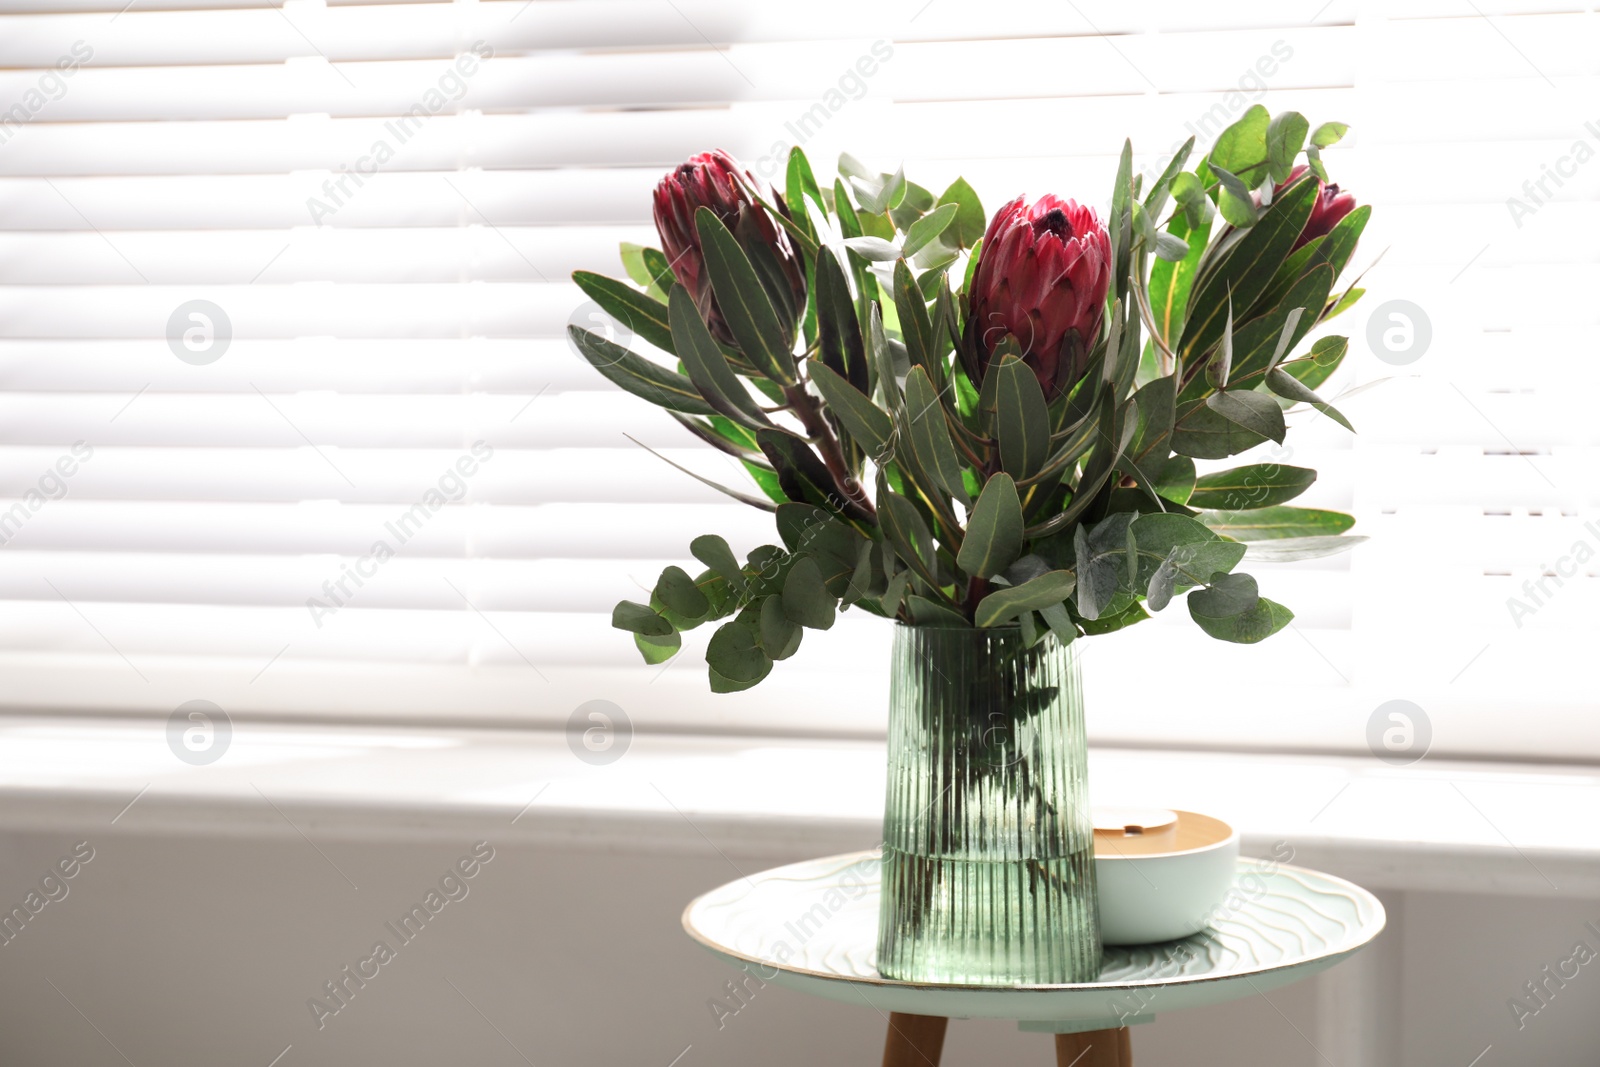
{"type": "Point", "coordinates": [1096, 1048]}
{"type": "Point", "coordinates": [914, 1040]}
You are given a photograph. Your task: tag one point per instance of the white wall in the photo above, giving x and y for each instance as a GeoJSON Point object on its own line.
{"type": "Point", "coordinates": [200, 950]}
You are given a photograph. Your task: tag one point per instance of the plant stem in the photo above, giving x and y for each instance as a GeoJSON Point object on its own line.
{"type": "Point", "coordinates": [809, 411]}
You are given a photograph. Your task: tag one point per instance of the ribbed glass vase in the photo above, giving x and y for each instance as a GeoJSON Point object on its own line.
{"type": "Point", "coordinates": [988, 846]}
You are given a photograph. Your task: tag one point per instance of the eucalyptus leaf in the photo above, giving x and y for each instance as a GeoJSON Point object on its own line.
{"type": "Point", "coordinates": [806, 599]}
{"type": "Point", "coordinates": [677, 591]}
{"type": "Point", "coordinates": [639, 619]}
{"type": "Point", "coordinates": [927, 229]}
{"type": "Point", "coordinates": [1251, 411]}
{"type": "Point", "coordinates": [968, 226]}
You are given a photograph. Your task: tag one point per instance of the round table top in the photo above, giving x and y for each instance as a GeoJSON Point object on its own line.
{"type": "Point", "coordinates": [813, 926]}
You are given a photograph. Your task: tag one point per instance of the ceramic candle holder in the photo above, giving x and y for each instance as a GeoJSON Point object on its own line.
{"type": "Point", "coordinates": [1161, 873]}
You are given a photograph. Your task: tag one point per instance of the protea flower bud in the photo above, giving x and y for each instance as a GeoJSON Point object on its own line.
{"type": "Point", "coordinates": [715, 180]}
{"type": "Point", "coordinates": [1331, 206]}
{"type": "Point", "coordinates": [1041, 279]}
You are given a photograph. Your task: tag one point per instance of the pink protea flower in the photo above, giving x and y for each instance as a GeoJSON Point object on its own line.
{"type": "Point", "coordinates": [1041, 279]}
{"type": "Point", "coordinates": [1331, 206]}
{"type": "Point", "coordinates": [715, 180]}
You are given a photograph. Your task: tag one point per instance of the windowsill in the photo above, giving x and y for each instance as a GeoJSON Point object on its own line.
{"type": "Point", "coordinates": [1521, 829]}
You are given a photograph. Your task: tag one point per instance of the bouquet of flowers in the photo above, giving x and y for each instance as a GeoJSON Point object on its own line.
{"type": "Point", "coordinates": [971, 421]}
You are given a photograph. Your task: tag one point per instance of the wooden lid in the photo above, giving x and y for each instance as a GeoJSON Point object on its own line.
{"type": "Point", "coordinates": [1124, 832]}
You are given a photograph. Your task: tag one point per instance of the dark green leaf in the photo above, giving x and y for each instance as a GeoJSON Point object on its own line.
{"type": "Point", "coordinates": [643, 314]}
{"type": "Point", "coordinates": [868, 424]}
{"type": "Point", "coordinates": [1233, 610]}
{"type": "Point", "coordinates": [639, 619]}
{"type": "Point", "coordinates": [925, 612]}
{"type": "Point", "coordinates": [930, 434]}
{"type": "Point", "coordinates": [806, 599]}
{"type": "Point", "coordinates": [1291, 388]}
{"type": "Point", "coordinates": [803, 476]}
{"type": "Point", "coordinates": [1003, 605]}
{"type": "Point", "coordinates": [839, 340]}
{"type": "Point", "coordinates": [1170, 282]}
{"type": "Point", "coordinates": [780, 636]}
{"type": "Point", "coordinates": [1245, 271]}
{"type": "Point", "coordinates": [639, 376]}
{"type": "Point", "coordinates": [707, 366]}
{"type": "Point", "coordinates": [1257, 485]}
{"type": "Point", "coordinates": [994, 529]}
{"type": "Point", "coordinates": [744, 303]}
{"type": "Point", "coordinates": [677, 591]}
{"type": "Point", "coordinates": [915, 326]}
{"type": "Point", "coordinates": [735, 653]}
{"type": "Point", "coordinates": [714, 552]}
{"type": "Point", "coordinates": [908, 534]}
{"type": "Point", "coordinates": [1174, 479]}
{"type": "Point", "coordinates": [1255, 412]}
{"type": "Point", "coordinates": [1023, 418]}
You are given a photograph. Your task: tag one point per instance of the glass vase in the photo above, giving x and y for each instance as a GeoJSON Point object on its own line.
{"type": "Point", "coordinates": [988, 846]}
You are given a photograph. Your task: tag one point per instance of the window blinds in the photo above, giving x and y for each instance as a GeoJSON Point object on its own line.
{"type": "Point", "coordinates": [375, 481]}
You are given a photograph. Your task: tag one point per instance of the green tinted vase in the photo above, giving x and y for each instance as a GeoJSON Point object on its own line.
{"type": "Point", "coordinates": [988, 846]}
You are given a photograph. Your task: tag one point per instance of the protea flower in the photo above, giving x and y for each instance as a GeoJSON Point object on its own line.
{"type": "Point", "coordinates": [1041, 279]}
{"type": "Point", "coordinates": [715, 180]}
{"type": "Point", "coordinates": [1331, 206]}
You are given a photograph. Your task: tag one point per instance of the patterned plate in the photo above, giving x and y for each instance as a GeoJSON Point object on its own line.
{"type": "Point", "coordinates": [813, 926]}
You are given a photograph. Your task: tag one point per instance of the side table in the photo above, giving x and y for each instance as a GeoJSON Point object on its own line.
{"type": "Point", "coordinates": [813, 926]}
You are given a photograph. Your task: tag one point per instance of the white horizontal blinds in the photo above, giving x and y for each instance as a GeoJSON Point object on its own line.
{"type": "Point", "coordinates": [426, 313]}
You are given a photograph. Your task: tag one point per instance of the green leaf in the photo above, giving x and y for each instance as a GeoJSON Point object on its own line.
{"type": "Point", "coordinates": [1175, 479]}
{"type": "Point", "coordinates": [1233, 610]}
{"type": "Point", "coordinates": [1247, 268]}
{"type": "Point", "coordinates": [1156, 199]}
{"type": "Point", "coordinates": [803, 476]}
{"type": "Point", "coordinates": [1233, 199]}
{"type": "Point", "coordinates": [806, 599]}
{"type": "Point", "coordinates": [639, 376]}
{"type": "Point", "coordinates": [1170, 281]}
{"type": "Point", "coordinates": [1170, 247]}
{"type": "Point", "coordinates": [714, 552]}
{"type": "Point", "coordinates": [1204, 434]}
{"type": "Point", "coordinates": [799, 184]}
{"type": "Point", "coordinates": [1003, 605]}
{"type": "Point", "coordinates": [970, 220]}
{"type": "Point", "coordinates": [868, 424]}
{"type": "Point", "coordinates": [873, 249]}
{"type": "Point", "coordinates": [735, 653]}
{"type": "Point", "coordinates": [644, 315]}
{"type": "Point", "coordinates": [1286, 135]}
{"type": "Point", "coordinates": [925, 612]}
{"type": "Point", "coordinates": [743, 498]}
{"type": "Point", "coordinates": [1329, 133]}
{"type": "Point", "coordinates": [930, 434]}
{"type": "Point", "coordinates": [1255, 412]}
{"type": "Point", "coordinates": [1023, 418]}
{"type": "Point", "coordinates": [677, 591]}
{"type": "Point", "coordinates": [1241, 149]}
{"type": "Point", "coordinates": [658, 649]}
{"type": "Point", "coordinates": [1317, 367]}
{"type": "Point", "coordinates": [1292, 549]}
{"type": "Point", "coordinates": [1115, 620]}
{"type": "Point", "coordinates": [908, 534]}
{"type": "Point", "coordinates": [1193, 549]}
{"type": "Point", "coordinates": [1277, 522]}
{"type": "Point", "coordinates": [707, 366]}
{"type": "Point", "coordinates": [927, 228]}
{"type": "Point", "coordinates": [915, 326]}
{"type": "Point", "coordinates": [1257, 485]}
{"type": "Point", "coordinates": [994, 530]}
{"type": "Point", "coordinates": [1100, 555]}
{"type": "Point", "coordinates": [639, 263]}
{"type": "Point", "coordinates": [780, 636]}
{"type": "Point", "coordinates": [1291, 388]}
{"type": "Point", "coordinates": [639, 619]}
{"type": "Point", "coordinates": [839, 341]}
{"type": "Point", "coordinates": [744, 303]}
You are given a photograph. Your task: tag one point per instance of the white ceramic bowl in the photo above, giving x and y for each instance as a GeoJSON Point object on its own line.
{"type": "Point", "coordinates": [1162, 874]}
